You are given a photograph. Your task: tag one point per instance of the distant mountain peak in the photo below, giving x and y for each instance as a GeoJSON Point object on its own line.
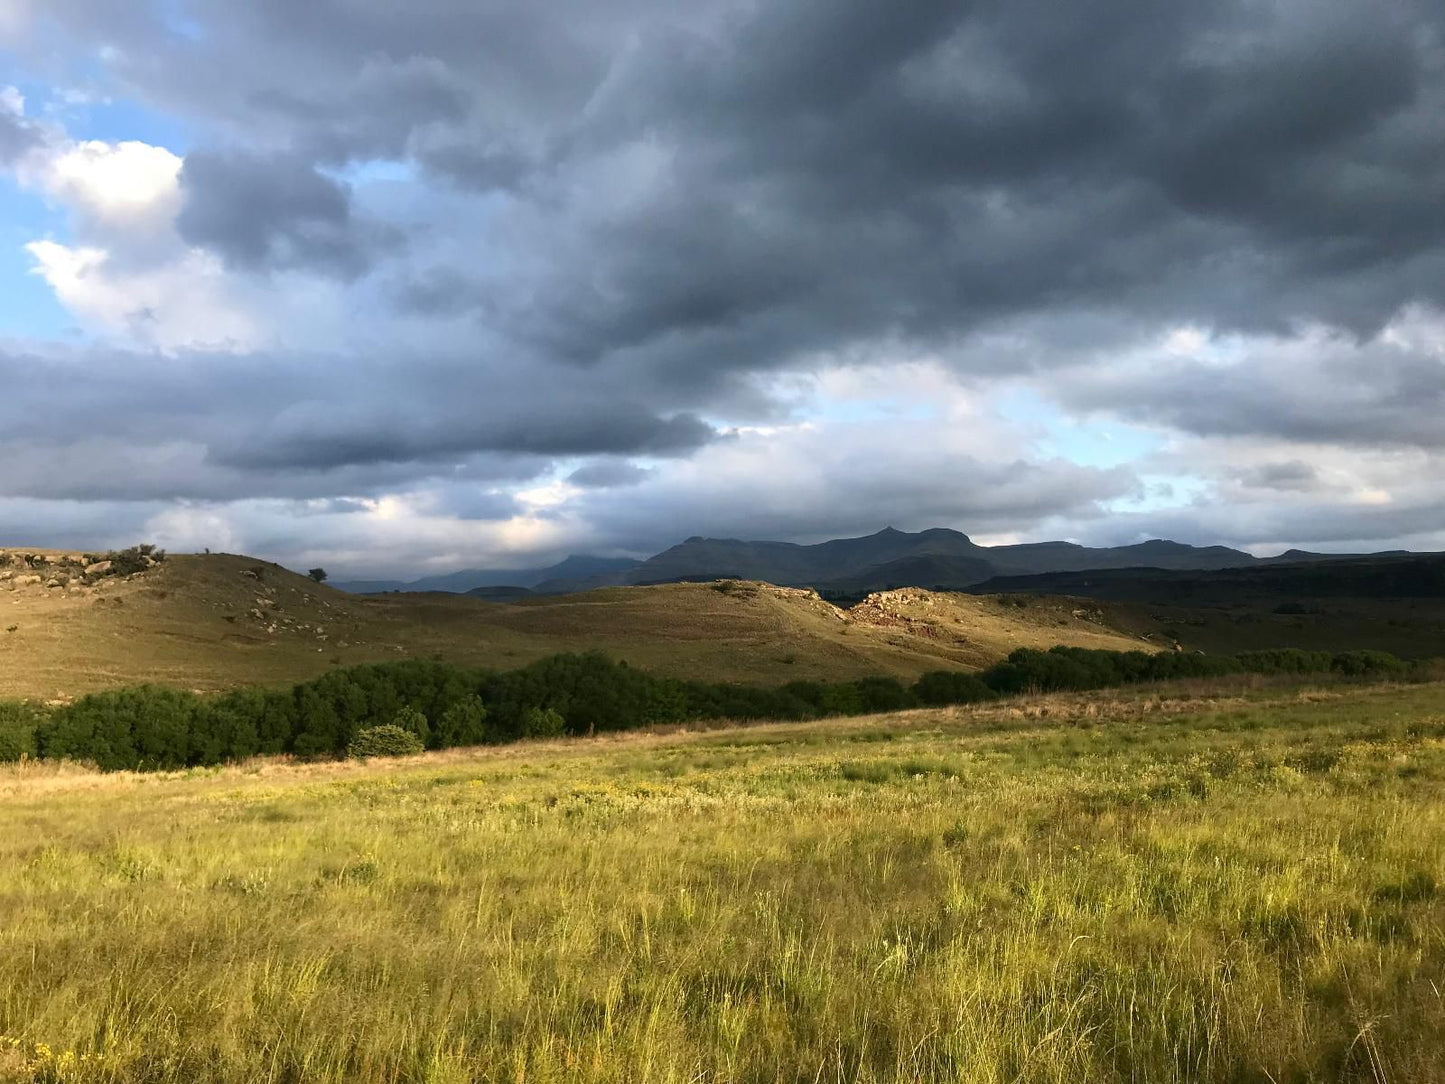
{"type": "Point", "coordinates": [1161, 545]}
{"type": "Point", "coordinates": [933, 557]}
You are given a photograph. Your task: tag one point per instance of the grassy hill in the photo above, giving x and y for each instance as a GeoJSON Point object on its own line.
{"type": "Point", "coordinates": [215, 621]}
{"type": "Point", "coordinates": [1209, 884]}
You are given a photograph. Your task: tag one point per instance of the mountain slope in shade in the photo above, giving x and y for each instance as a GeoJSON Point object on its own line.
{"type": "Point", "coordinates": [789, 564]}
{"type": "Point", "coordinates": [578, 567]}
{"type": "Point", "coordinates": [1156, 553]}
{"type": "Point", "coordinates": [1374, 576]}
{"type": "Point", "coordinates": [920, 571]}
{"type": "Point", "coordinates": [938, 557]}
{"type": "Point", "coordinates": [943, 557]}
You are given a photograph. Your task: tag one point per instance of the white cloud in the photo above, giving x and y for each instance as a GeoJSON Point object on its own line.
{"type": "Point", "coordinates": [122, 185]}
{"type": "Point", "coordinates": [11, 100]}
{"type": "Point", "coordinates": [126, 274]}
{"type": "Point", "coordinates": [182, 302]}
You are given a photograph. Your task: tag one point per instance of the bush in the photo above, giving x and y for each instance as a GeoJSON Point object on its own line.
{"type": "Point", "coordinates": [17, 730]}
{"type": "Point", "coordinates": [943, 687]}
{"type": "Point", "coordinates": [145, 727]}
{"type": "Point", "coordinates": [543, 723]}
{"type": "Point", "coordinates": [1367, 664]}
{"type": "Point", "coordinates": [883, 694]}
{"type": "Point", "coordinates": [386, 740]}
{"type": "Point", "coordinates": [413, 722]}
{"type": "Point", "coordinates": [136, 559]}
{"type": "Point", "coordinates": [464, 722]}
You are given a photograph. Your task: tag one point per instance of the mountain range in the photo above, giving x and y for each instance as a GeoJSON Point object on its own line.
{"type": "Point", "coordinates": [934, 558]}
{"type": "Point", "coordinates": [575, 573]}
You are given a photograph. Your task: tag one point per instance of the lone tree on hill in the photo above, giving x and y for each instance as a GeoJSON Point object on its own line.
{"type": "Point", "coordinates": [317, 574]}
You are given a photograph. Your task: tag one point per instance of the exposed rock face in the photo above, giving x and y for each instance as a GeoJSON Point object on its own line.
{"type": "Point", "coordinates": [100, 568]}
{"type": "Point", "coordinates": [885, 609]}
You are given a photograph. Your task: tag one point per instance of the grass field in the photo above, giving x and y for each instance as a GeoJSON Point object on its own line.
{"type": "Point", "coordinates": [1229, 883]}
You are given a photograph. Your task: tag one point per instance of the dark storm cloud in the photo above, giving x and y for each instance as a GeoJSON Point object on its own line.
{"type": "Point", "coordinates": [647, 209]}
{"type": "Point", "coordinates": [329, 439]}
{"type": "Point", "coordinates": [271, 211]}
{"type": "Point", "coordinates": [195, 426]}
{"type": "Point", "coordinates": [608, 474]}
{"type": "Point", "coordinates": [829, 172]}
{"type": "Point", "coordinates": [880, 135]}
{"type": "Point", "coordinates": [1293, 475]}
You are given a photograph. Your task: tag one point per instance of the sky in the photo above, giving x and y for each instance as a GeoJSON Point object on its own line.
{"type": "Point", "coordinates": [402, 288]}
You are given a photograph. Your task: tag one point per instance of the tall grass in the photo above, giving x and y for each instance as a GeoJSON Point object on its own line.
{"type": "Point", "coordinates": [1067, 890]}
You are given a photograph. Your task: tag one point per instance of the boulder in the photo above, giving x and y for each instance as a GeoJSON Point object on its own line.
{"type": "Point", "coordinates": [26, 581]}
{"type": "Point", "coordinates": [100, 568]}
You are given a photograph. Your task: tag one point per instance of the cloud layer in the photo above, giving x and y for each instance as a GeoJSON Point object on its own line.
{"type": "Point", "coordinates": [471, 281]}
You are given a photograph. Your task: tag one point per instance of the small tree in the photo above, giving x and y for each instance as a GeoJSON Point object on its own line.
{"type": "Point", "coordinates": [413, 722]}
{"type": "Point", "coordinates": [543, 723]}
{"type": "Point", "coordinates": [317, 574]}
{"type": "Point", "coordinates": [463, 723]}
{"type": "Point", "coordinates": [383, 741]}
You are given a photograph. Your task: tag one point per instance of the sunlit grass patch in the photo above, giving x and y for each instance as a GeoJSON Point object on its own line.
{"type": "Point", "coordinates": [1208, 889]}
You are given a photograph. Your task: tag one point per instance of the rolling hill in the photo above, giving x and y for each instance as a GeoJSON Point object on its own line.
{"type": "Point", "coordinates": [215, 621]}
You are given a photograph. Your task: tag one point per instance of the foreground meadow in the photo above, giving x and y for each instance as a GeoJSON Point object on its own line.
{"type": "Point", "coordinates": [1224, 885]}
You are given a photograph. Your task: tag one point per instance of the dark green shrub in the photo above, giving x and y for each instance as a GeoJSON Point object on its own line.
{"type": "Point", "coordinates": [413, 722]}
{"type": "Point", "coordinates": [18, 721]}
{"type": "Point", "coordinates": [441, 706]}
{"type": "Point", "coordinates": [464, 722]}
{"type": "Point", "coordinates": [136, 559]}
{"type": "Point", "coordinates": [543, 723]}
{"type": "Point", "coordinates": [1367, 664]}
{"type": "Point", "coordinates": [145, 727]}
{"type": "Point", "coordinates": [883, 694]}
{"type": "Point", "coordinates": [386, 740]}
{"type": "Point", "coordinates": [950, 687]}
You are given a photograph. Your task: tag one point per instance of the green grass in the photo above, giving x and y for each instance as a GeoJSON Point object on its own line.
{"type": "Point", "coordinates": [1208, 885]}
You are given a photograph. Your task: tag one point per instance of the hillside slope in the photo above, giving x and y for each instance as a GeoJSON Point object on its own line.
{"type": "Point", "coordinates": [216, 621]}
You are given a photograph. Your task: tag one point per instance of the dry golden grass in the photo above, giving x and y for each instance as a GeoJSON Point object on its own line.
{"type": "Point", "coordinates": [1237, 883]}
{"type": "Point", "coordinates": [205, 622]}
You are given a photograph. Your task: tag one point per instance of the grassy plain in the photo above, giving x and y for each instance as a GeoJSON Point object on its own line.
{"type": "Point", "coordinates": [1224, 883]}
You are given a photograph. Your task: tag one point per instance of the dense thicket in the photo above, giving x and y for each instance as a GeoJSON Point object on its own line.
{"type": "Point", "coordinates": [444, 706]}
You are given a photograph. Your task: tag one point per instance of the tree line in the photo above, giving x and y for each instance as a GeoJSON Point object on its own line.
{"type": "Point", "coordinates": [441, 706]}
